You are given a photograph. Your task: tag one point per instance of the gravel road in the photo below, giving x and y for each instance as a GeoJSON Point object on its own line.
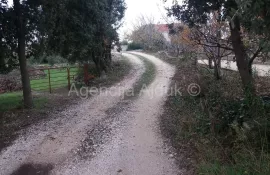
{"type": "Point", "coordinates": [106, 134]}
{"type": "Point", "coordinates": [262, 70]}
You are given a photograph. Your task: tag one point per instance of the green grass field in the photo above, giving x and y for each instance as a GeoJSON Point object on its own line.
{"type": "Point", "coordinates": [14, 100]}
{"type": "Point", "coordinates": [59, 79]}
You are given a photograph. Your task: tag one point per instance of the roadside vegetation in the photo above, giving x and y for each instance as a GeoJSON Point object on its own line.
{"type": "Point", "coordinates": [119, 69]}
{"type": "Point", "coordinates": [134, 46]}
{"type": "Point", "coordinates": [39, 34]}
{"type": "Point", "coordinates": [53, 31]}
{"type": "Point", "coordinates": [226, 128]}
{"type": "Point", "coordinates": [147, 77]}
{"type": "Point", "coordinates": [14, 118]}
{"type": "Point", "coordinates": [13, 100]}
{"type": "Point", "coordinates": [215, 131]}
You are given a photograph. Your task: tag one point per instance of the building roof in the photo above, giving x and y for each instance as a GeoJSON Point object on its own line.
{"type": "Point", "coordinates": [162, 28]}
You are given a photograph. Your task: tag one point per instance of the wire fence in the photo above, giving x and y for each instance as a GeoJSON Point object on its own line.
{"type": "Point", "coordinates": [49, 79]}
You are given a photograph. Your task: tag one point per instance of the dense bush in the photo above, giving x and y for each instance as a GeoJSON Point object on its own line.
{"type": "Point", "coordinates": [9, 84]}
{"type": "Point", "coordinates": [124, 42]}
{"type": "Point", "coordinates": [51, 60]}
{"type": "Point", "coordinates": [7, 65]}
{"type": "Point", "coordinates": [228, 133]}
{"type": "Point", "coordinates": [134, 46]}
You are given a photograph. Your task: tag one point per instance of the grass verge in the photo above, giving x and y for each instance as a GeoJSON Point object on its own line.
{"type": "Point", "coordinates": [147, 77]}
{"type": "Point", "coordinates": [14, 101]}
{"type": "Point", "coordinates": [212, 132]}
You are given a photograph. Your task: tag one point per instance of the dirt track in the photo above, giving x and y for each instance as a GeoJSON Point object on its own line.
{"type": "Point", "coordinates": [103, 135]}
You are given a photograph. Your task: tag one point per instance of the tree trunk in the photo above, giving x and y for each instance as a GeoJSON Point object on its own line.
{"type": "Point", "coordinates": [99, 62]}
{"type": "Point", "coordinates": [217, 58]}
{"type": "Point", "coordinates": [2, 63]}
{"type": "Point", "coordinates": [27, 94]}
{"type": "Point", "coordinates": [195, 63]}
{"type": "Point", "coordinates": [217, 69]}
{"type": "Point", "coordinates": [2, 56]}
{"type": "Point", "coordinates": [242, 59]}
{"type": "Point", "coordinates": [210, 62]}
{"type": "Point", "coordinates": [217, 65]}
{"type": "Point", "coordinates": [178, 51]}
{"type": "Point", "coordinates": [108, 56]}
{"type": "Point", "coordinates": [96, 61]}
{"type": "Point", "coordinates": [102, 63]}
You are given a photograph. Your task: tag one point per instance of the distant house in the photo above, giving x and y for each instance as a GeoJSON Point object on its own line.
{"type": "Point", "coordinates": [164, 29]}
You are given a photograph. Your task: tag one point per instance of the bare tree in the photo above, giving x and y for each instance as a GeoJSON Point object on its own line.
{"type": "Point", "coordinates": [214, 39]}
{"type": "Point", "coordinates": [145, 33]}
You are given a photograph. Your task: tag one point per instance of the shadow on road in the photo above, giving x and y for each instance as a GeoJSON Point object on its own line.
{"type": "Point", "coordinates": [31, 169]}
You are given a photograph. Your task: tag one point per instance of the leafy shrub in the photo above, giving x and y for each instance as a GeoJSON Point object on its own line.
{"type": "Point", "coordinates": [134, 46]}
{"type": "Point", "coordinates": [9, 84]}
{"type": "Point", "coordinates": [51, 60]}
{"type": "Point", "coordinates": [230, 134]}
{"type": "Point", "coordinates": [34, 60]}
{"type": "Point", "coordinates": [54, 59]}
{"type": "Point", "coordinates": [124, 42]}
{"type": "Point", "coordinates": [7, 65]}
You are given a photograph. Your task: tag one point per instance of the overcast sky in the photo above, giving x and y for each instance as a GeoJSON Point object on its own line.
{"type": "Point", "coordinates": [136, 8]}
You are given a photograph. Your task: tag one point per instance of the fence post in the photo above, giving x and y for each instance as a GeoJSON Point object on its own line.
{"type": "Point", "coordinates": [85, 72]}
{"type": "Point", "coordinates": [68, 72]}
{"type": "Point", "coordinates": [50, 87]}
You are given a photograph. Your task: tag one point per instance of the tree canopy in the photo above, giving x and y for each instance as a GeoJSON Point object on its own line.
{"type": "Point", "coordinates": [246, 17]}
{"type": "Point", "coordinates": [80, 31]}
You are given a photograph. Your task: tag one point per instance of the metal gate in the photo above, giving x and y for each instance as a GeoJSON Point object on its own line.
{"type": "Point", "coordinates": [49, 79]}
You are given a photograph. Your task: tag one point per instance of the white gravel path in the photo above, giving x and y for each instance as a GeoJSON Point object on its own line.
{"type": "Point", "coordinates": [135, 146]}
{"type": "Point", "coordinates": [52, 142]}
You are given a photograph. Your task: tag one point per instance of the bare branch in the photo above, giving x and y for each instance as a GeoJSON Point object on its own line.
{"type": "Point", "coordinates": [254, 56]}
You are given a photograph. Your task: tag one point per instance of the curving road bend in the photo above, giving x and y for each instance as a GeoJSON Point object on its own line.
{"type": "Point", "coordinates": [103, 135]}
